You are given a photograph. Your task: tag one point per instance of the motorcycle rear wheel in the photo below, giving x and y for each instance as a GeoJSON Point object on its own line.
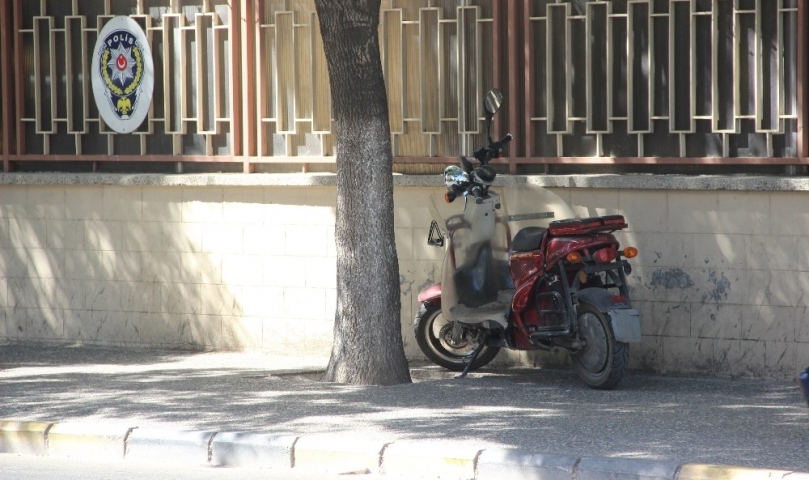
{"type": "Point", "coordinates": [601, 363]}
{"type": "Point", "coordinates": [432, 335]}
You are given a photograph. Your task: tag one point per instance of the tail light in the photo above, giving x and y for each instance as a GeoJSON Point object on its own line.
{"type": "Point", "coordinates": [630, 252]}
{"type": "Point", "coordinates": [605, 255]}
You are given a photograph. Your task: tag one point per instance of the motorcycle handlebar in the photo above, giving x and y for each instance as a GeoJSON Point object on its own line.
{"type": "Point", "coordinates": [493, 150]}
{"type": "Point", "coordinates": [470, 184]}
{"type": "Point", "coordinates": [477, 193]}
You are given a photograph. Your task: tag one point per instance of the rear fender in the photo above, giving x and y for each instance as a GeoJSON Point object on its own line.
{"type": "Point", "coordinates": [625, 321]}
{"type": "Point", "coordinates": [431, 294]}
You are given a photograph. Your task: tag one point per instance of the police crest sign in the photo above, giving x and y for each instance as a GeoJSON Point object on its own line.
{"type": "Point", "coordinates": [122, 73]}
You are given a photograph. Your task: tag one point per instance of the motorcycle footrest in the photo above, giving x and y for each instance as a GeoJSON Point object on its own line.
{"type": "Point", "coordinates": [549, 332]}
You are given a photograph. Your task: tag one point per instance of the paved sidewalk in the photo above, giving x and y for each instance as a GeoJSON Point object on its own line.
{"type": "Point", "coordinates": [668, 421]}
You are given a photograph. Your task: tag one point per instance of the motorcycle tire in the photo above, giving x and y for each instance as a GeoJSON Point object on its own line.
{"type": "Point", "coordinates": [435, 348]}
{"type": "Point", "coordinates": [601, 363]}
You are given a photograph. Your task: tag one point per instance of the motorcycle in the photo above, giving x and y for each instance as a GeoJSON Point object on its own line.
{"type": "Point", "coordinates": [557, 285]}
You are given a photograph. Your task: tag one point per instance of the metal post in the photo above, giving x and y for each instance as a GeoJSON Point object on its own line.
{"type": "Point", "coordinates": [803, 78]}
{"type": "Point", "coordinates": [514, 72]}
{"type": "Point", "coordinates": [6, 82]}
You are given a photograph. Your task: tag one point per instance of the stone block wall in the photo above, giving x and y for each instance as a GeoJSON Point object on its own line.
{"type": "Point", "coordinates": [722, 279]}
{"type": "Point", "coordinates": [237, 262]}
{"type": "Point", "coordinates": [169, 267]}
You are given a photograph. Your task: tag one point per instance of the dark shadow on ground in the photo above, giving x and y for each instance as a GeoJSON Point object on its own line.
{"type": "Point", "coordinates": [737, 422]}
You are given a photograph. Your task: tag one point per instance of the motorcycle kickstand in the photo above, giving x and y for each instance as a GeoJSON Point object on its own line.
{"type": "Point", "coordinates": [469, 360]}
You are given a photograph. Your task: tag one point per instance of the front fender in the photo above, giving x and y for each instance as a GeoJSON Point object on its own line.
{"type": "Point", "coordinates": [625, 321]}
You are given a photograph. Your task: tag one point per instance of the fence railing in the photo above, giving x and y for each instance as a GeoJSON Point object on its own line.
{"type": "Point", "coordinates": [586, 81]}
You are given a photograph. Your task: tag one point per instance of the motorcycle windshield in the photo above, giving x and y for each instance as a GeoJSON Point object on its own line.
{"type": "Point", "coordinates": [476, 285]}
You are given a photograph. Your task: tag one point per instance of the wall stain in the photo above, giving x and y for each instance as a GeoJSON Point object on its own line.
{"type": "Point", "coordinates": [719, 293]}
{"type": "Point", "coordinates": [671, 278]}
{"type": "Point", "coordinates": [429, 281]}
{"type": "Point", "coordinates": [405, 284]}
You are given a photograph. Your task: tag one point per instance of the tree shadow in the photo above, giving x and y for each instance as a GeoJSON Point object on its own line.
{"type": "Point", "coordinates": [741, 422]}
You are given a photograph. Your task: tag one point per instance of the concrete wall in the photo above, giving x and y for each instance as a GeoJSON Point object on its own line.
{"type": "Point", "coordinates": [247, 262]}
{"type": "Point", "coordinates": [722, 278]}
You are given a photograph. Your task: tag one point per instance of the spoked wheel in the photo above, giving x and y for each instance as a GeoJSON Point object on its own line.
{"type": "Point", "coordinates": [434, 336]}
{"type": "Point", "coordinates": [602, 361]}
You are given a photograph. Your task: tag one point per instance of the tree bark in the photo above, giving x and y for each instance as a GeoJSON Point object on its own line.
{"type": "Point", "coordinates": [367, 347]}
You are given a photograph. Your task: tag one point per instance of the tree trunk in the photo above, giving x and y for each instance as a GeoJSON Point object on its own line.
{"type": "Point", "coordinates": [367, 346]}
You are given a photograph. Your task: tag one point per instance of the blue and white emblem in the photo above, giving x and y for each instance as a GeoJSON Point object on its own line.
{"type": "Point", "coordinates": [122, 74]}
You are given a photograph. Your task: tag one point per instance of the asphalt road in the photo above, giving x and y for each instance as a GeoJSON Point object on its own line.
{"type": "Point", "coordinates": [753, 423]}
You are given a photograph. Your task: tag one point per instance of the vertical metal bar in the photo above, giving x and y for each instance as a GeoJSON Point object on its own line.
{"type": "Point", "coordinates": [468, 86]}
{"type": "Point", "coordinates": [6, 82]}
{"type": "Point", "coordinates": [779, 83]}
{"type": "Point", "coordinates": [235, 34]}
{"type": "Point", "coordinates": [530, 98]}
{"type": "Point", "coordinates": [803, 107]}
{"type": "Point", "coordinates": [558, 68]}
{"type": "Point", "coordinates": [201, 75]}
{"type": "Point", "coordinates": [286, 93]}
{"type": "Point", "coordinates": [462, 84]}
{"type": "Point", "coordinates": [249, 18]}
{"type": "Point", "coordinates": [672, 66]}
{"type": "Point", "coordinates": [431, 83]}
{"type": "Point", "coordinates": [513, 78]}
{"type": "Point", "coordinates": [19, 83]}
{"type": "Point", "coordinates": [715, 68]}
{"type": "Point", "coordinates": [638, 122]}
{"type": "Point", "coordinates": [692, 60]}
{"type": "Point", "coordinates": [759, 69]}
{"type": "Point", "coordinates": [497, 51]}
{"type": "Point", "coordinates": [321, 94]}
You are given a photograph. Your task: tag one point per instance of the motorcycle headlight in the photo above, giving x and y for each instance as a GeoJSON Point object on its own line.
{"type": "Point", "coordinates": [455, 177]}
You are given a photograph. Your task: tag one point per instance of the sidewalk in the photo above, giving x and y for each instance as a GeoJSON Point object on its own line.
{"type": "Point", "coordinates": [257, 409]}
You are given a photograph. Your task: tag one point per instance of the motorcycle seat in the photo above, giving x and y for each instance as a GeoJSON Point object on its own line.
{"type": "Point", "coordinates": [527, 239]}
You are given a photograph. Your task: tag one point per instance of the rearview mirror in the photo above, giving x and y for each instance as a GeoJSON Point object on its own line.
{"type": "Point", "coordinates": [492, 101]}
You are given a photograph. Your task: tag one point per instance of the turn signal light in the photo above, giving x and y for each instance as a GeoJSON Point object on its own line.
{"type": "Point", "coordinates": [630, 252]}
{"type": "Point", "coordinates": [449, 197]}
{"type": "Point", "coordinates": [574, 257]}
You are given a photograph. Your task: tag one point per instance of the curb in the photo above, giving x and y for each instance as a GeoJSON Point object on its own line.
{"type": "Point", "coordinates": [28, 438]}
{"type": "Point", "coordinates": [236, 449]}
{"type": "Point", "coordinates": [82, 440]}
{"type": "Point", "coordinates": [695, 471]}
{"type": "Point", "coordinates": [517, 465]}
{"type": "Point", "coordinates": [340, 454]}
{"type": "Point", "coordinates": [169, 446]}
{"type": "Point", "coordinates": [423, 458]}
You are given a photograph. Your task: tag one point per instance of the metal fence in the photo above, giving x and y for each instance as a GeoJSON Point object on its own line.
{"type": "Point", "coordinates": [586, 81]}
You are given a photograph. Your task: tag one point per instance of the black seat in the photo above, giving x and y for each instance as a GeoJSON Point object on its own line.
{"type": "Point", "coordinates": [527, 239]}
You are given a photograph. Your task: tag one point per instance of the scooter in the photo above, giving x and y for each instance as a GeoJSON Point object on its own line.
{"type": "Point", "coordinates": [561, 285]}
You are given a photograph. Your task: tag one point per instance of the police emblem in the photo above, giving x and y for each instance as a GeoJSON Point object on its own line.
{"type": "Point", "coordinates": [122, 74]}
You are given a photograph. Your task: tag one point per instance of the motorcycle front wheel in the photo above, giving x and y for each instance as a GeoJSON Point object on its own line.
{"type": "Point", "coordinates": [602, 361]}
{"type": "Point", "coordinates": [434, 336]}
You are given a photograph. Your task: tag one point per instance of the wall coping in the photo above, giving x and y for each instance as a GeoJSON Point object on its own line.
{"type": "Point", "coordinates": [601, 181]}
